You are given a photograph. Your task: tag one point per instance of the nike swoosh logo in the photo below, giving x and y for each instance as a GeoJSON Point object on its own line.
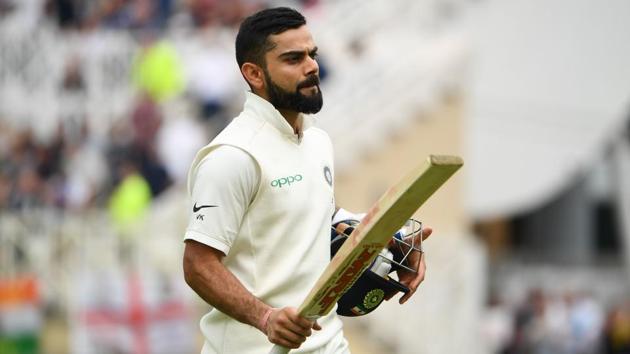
{"type": "Point", "coordinates": [197, 208]}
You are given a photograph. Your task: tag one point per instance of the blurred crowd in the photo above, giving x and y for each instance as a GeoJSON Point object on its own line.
{"type": "Point", "coordinates": [182, 96]}
{"type": "Point", "coordinates": [126, 122]}
{"type": "Point", "coordinates": [73, 169]}
{"type": "Point", "coordinates": [142, 14]}
{"type": "Point", "coordinates": [567, 323]}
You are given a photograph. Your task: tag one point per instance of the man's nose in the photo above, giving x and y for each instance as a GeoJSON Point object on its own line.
{"type": "Point", "coordinates": [311, 66]}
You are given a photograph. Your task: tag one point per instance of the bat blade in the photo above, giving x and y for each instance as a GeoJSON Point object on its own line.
{"type": "Point", "coordinates": [383, 219]}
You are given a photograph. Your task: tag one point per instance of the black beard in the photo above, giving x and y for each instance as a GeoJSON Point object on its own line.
{"type": "Point", "coordinates": [295, 101]}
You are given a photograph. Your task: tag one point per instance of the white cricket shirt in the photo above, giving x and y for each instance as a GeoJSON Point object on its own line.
{"type": "Point", "coordinates": [264, 197]}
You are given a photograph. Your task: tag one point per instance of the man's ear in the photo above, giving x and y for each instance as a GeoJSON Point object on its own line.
{"type": "Point", "coordinates": [254, 75]}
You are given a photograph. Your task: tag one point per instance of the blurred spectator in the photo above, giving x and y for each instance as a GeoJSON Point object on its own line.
{"type": "Point", "coordinates": [5, 189]}
{"type": "Point", "coordinates": [120, 141]}
{"type": "Point", "coordinates": [146, 120]}
{"type": "Point", "coordinates": [6, 6]}
{"type": "Point", "coordinates": [22, 165]}
{"type": "Point", "coordinates": [163, 11]}
{"type": "Point", "coordinates": [179, 140]}
{"type": "Point", "coordinates": [540, 326]}
{"type": "Point", "coordinates": [154, 171]}
{"type": "Point", "coordinates": [113, 14]}
{"type": "Point", "coordinates": [126, 14]}
{"type": "Point", "coordinates": [571, 324]}
{"type": "Point", "coordinates": [49, 156]}
{"type": "Point", "coordinates": [617, 331]}
{"type": "Point", "coordinates": [135, 141]}
{"type": "Point", "coordinates": [68, 14]}
{"type": "Point", "coordinates": [214, 79]}
{"type": "Point", "coordinates": [586, 322]}
{"type": "Point", "coordinates": [203, 12]}
{"type": "Point", "coordinates": [72, 80]}
{"type": "Point", "coordinates": [496, 326]}
{"type": "Point", "coordinates": [5, 138]}
{"type": "Point", "coordinates": [231, 13]}
{"type": "Point", "coordinates": [136, 14]}
{"type": "Point", "coordinates": [22, 150]}
{"type": "Point", "coordinates": [130, 197]}
{"type": "Point", "coordinates": [72, 98]}
{"type": "Point", "coordinates": [157, 69]}
{"type": "Point", "coordinates": [212, 13]}
{"type": "Point", "coordinates": [309, 3]}
{"type": "Point", "coordinates": [28, 189]}
{"type": "Point", "coordinates": [85, 170]}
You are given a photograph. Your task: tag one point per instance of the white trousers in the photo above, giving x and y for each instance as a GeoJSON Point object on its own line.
{"type": "Point", "coordinates": [337, 345]}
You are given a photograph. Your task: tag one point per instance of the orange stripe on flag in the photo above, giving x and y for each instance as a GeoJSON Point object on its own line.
{"type": "Point", "coordinates": [19, 291]}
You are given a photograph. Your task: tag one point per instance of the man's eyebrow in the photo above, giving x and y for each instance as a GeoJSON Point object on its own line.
{"type": "Point", "coordinates": [297, 53]}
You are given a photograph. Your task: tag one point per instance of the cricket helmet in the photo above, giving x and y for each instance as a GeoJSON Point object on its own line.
{"type": "Point", "coordinates": [375, 284]}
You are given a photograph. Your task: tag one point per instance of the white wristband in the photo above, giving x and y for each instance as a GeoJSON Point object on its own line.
{"type": "Point", "coordinates": [342, 214]}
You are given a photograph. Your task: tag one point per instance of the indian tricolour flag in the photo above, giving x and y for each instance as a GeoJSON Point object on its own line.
{"type": "Point", "coordinates": [20, 315]}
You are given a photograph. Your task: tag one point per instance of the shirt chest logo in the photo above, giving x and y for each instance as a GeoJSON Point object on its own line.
{"type": "Point", "coordinates": [286, 181]}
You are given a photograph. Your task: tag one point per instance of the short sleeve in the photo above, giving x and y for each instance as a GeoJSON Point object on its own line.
{"type": "Point", "coordinates": [224, 186]}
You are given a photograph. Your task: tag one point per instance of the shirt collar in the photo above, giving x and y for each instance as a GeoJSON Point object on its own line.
{"type": "Point", "coordinates": [265, 110]}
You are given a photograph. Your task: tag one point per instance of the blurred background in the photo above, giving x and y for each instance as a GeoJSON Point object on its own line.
{"type": "Point", "coordinates": [103, 104]}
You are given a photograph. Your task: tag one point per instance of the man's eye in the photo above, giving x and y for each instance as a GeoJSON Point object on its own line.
{"type": "Point", "coordinates": [314, 55]}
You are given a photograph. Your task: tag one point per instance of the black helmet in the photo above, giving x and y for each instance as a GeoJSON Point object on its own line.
{"type": "Point", "coordinates": [375, 284]}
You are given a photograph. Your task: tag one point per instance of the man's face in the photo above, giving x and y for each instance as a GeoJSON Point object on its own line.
{"type": "Point", "coordinates": [291, 72]}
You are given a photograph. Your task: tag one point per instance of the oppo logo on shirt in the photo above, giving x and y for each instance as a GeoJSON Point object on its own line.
{"type": "Point", "coordinates": [286, 181]}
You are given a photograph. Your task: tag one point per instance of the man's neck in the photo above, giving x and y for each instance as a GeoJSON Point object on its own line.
{"type": "Point", "coordinates": [289, 115]}
{"type": "Point", "coordinates": [292, 118]}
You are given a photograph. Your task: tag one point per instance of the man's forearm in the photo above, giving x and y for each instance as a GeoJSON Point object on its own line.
{"type": "Point", "coordinates": [216, 285]}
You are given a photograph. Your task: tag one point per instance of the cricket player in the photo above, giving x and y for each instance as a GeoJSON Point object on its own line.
{"type": "Point", "coordinates": [262, 201]}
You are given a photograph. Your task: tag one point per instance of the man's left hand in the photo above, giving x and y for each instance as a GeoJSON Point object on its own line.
{"type": "Point", "coordinates": [415, 261]}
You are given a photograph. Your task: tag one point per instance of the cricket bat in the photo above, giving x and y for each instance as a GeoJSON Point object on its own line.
{"type": "Point", "coordinates": [382, 220]}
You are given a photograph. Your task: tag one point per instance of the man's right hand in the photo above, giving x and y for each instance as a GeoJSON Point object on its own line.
{"type": "Point", "coordinates": [286, 328]}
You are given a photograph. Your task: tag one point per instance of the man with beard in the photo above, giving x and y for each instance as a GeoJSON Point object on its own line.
{"type": "Point", "coordinates": [262, 200]}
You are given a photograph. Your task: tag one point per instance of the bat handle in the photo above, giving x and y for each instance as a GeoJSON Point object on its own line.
{"type": "Point", "coordinates": [278, 350]}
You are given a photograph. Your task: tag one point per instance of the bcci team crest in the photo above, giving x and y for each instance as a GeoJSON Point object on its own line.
{"type": "Point", "coordinates": [328, 175]}
{"type": "Point", "coordinates": [373, 298]}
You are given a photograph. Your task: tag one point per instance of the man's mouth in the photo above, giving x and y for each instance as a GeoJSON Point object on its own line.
{"type": "Point", "coordinates": [309, 83]}
{"type": "Point", "coordinates": [310, 88]}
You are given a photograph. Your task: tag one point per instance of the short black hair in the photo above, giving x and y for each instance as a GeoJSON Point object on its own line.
{"type": "Point", "coordinates": [252, 40]}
